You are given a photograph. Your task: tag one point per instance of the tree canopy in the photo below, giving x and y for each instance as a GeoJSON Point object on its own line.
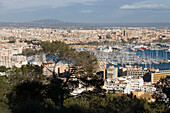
{"type": "Point", "coordinates": [81, 65]}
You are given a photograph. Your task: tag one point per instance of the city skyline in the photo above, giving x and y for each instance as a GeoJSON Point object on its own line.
{"type": "Point", "coordinates": [86, 11]}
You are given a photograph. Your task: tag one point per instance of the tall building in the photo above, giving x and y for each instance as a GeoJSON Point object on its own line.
{"type": "Point", "coordinates": [123, 33]}
{"type": "Point", "coordinates": [111, 72]}
{"type": "Point", "coordinates": [102, 67]}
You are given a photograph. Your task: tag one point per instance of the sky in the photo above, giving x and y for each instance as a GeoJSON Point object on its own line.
{"type": "Point", "coordinates": [86, 11]}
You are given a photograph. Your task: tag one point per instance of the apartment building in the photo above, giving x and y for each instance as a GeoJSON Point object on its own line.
{"type": "Point", "coordinates": [135, 71]}
{"type": "Point", "coordinates": [111, 72]}
{"type": "Point", "coordinates": [118, 85]}
{"type": "Point", "coordinates": [9, 59]}
{"type": "Point", "coordinates": [157, 76]}
{"type": "Point", "coordinates": [124, 84]}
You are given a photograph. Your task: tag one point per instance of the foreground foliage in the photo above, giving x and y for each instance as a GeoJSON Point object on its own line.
{"type": "Point", "coordinates": [25, 92]}
{"type": "Point", "coordinates": [112, 104]}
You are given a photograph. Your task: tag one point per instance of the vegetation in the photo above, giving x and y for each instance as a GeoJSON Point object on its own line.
{"type": "Point", "coordinates": [25, 90]}
{"type": "Point", "coordinates": [108, 36]}
{"type": "Point", "coordinates": [80, 65]}
{"type": "Point", "coordinates": [30, 52]}
{"type": "Point", "coordinates": [94, 43]}
{"type": "Point", "coordinates": [131, 40]}
{"type": "Point", "coordinates": [3, 69]}
{"type": "Point", "coordinates": [123, 41]}
{"type": "Point", "coordinates": [11, 42]}
{"type": "Point", "coordinates": [16, 77]}
{"type": "Point", "coordinates": [111, 104]}
{"type": "Point", "coordinates": [89, 43]}
{"type": "Point", "coordinates": [34, 42]}
{"type": "Point", "coordinates": [162, 86]}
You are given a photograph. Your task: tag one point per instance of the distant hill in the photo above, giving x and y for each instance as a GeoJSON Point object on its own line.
{"type": "Point", "coordinates": [52, 23]}
{"type": "Point", "coordinates": [47, 21]}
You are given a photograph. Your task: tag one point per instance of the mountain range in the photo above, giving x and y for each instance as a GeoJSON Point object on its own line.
{"type": "Point", "coordinates": [53, 23]}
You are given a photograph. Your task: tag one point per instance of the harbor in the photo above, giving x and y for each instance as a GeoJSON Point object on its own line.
{"type": "Point", "coordinates": [147, 58]}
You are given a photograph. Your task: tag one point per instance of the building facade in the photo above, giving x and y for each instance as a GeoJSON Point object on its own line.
{"type": "Point", "coordinates": [135, 71]}
{"type": "Point", "coordinates": [157, 76]}
{"type": "Point", "coordinates": [111, 72]}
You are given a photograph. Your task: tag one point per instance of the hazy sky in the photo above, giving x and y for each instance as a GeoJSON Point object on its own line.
{"type": "Point", "coordinates": [86, 11]}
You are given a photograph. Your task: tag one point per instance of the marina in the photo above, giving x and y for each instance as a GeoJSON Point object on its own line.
{"type": "Point", "coordinates": [146, 58]}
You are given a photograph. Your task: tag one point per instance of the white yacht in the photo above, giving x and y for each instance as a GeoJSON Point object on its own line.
{"type": "Point", "coordinates": [168, 50]}
{"type": "Point", "coordinates": [108, 49]}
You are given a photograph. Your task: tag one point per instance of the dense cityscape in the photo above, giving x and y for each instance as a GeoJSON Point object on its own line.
{"type": "Point", "coordinates": [131, 60]}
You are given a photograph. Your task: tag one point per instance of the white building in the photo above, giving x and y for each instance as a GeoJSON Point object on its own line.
{"type": "Point", "coordinates": [9, 59]}
{"type": "Point", "coordinates": [125, 84]}
{"type": "Point", "coordinates": [136, 83]}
